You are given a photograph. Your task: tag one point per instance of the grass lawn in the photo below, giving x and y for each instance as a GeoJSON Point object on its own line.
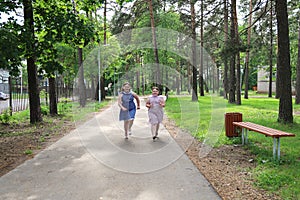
{"type": "Point", "coordinates": [205, 120]}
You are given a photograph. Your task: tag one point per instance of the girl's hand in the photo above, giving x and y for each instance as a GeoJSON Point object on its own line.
{"type": "Point", "coordinates": [124, 109]}
{"type": "Point", "coordinates": [162, 103]}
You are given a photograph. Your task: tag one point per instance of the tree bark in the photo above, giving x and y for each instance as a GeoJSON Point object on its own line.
{"type": "Point", "coordinates": [33, 89]}
{"type": "Point", "coordinates": [285, 114]}
{"type": "Point", "coordinates": [225, 80]}
{"type": "Point", "coordinates": [82, 89]}
{"type": "Point", "coordinates": [238, 58]}
{"type": "Point", "coordinates": [271, 52]}
{"type": "Point", "coordinates": [194, 62]}
{"type": "Point", "coordinates": [297, 100]}
{"type": "Point", "coordinates": [52, 97]}
{"type": "Point", "coordinates": [201, 81]}
{"type": "Point", "coordinates": [102, 78]}
{"type": "Point", "coordinates": [232, 79]}
{"type": "Point", "coordinates": [248, 51]}
{"type": "Point", "coordinates": [178, 78]}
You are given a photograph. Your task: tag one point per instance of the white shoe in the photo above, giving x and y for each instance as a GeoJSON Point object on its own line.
{"type": "Point", "coordinates": [129, 132]}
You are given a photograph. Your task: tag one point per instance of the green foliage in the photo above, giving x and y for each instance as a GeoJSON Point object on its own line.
{"type": "Point", "coordinates": [45, 110]}
{"type": "Point", "coordinates": [28, 152]}
{"type": "Point", "coordinates": [10, 47]}
{"type": "Point", "coordinates": [64, 106]}
{"type": "Point", "coordinates": [5, 117]}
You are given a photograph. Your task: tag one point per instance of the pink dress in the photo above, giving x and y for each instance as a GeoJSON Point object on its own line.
{"type": "Point", "coordinates": [155, 112]}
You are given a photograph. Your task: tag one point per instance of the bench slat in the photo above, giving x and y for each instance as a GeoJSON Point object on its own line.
{"type": "Point", "coordinates": [263, 130]}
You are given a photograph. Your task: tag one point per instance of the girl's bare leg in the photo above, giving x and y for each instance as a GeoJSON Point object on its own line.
{"type": "Point", "coordinates": [156, 131]}
{"type": "Point", "coordinates": [126, 127]}
{"type": "Point", "coordinates": [129, 126]}
{"type": "Point", "coordinates": [153, 131]}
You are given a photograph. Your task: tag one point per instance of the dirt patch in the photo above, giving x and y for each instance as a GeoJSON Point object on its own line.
{"type": "Point", "coordinates": [227, 168]}
{"type": "Point", "coordinates": [21, 142]}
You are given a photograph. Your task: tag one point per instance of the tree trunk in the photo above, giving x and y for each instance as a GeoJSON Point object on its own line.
{"type": "Point", "coordinates": [138, 61]}
{"type": "Point", "coordinates": [157, 73]}
{"type": "Point", "coordinates": [271, 52]}
{"type": "Point", "coordinates": [285, 114]}
{"type": "Point", "coordinates": [52, 97]}
{"type": "Point", "coordinates": [194, 62]}
{"type": "Point", "coordinates": [82, 89]}
{"type": "Point", "coordinates": [238, 58]}
{"type": "Point", "coordinates": [232, 80]}
{"type": "Point", "coordinates": [217, 78]}
{"type": "Point", "coordinates": [225, 80]}
{"type": "Point", "coordinates": [102, 85]}
{"type": "Point", "coordinates": [178, 78]}
{"type": "Point", "coordinates": [201, 81]}
{"type": "Point", "coordinates": [33, 88]}
{"type": "Point", "coordinates": [297, 100]}
{"type": "Point", "coordinates": [248, 51]}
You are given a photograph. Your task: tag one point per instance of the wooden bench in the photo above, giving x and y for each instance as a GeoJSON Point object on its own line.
{"type": "Point", "coordinates": [275, 134]}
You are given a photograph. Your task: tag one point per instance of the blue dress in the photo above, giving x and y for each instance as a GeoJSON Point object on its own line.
{"type": "Point", "coordinates": [127, 102]}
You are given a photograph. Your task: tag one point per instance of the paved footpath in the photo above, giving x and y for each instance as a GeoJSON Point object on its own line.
{"type": "Point", "coordinates": [95, 162]}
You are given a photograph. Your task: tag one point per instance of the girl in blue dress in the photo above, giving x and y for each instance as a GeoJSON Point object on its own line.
{"type": "Point", "coordinates": [128, 107]}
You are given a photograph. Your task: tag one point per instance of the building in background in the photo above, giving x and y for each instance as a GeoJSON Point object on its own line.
{"type": "Point", "coordinates": [263, 80]}
{"type": "Point", "coordinates": [4, 86]}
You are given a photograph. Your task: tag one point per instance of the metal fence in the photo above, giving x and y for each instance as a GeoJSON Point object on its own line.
{"type": "Point", "coordinates": [19, 97]}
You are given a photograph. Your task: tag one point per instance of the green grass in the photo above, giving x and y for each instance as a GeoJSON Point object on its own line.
{"type": "Point", "coordinates": [77, 113]}
{"type": "Point", "coordinates": [18, 124]}
{"type": "Point", "coordinates": [201, 119]}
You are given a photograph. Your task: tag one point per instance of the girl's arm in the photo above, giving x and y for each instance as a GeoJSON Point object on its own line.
{"type": "Point", "coordinates": [148, 104]}
{"type": "Point", "coordinates": [162, 102]}
{"type": "Point", "coordinates": [137, 100]}
{"type": "Point", "coordinates": [120, 102]}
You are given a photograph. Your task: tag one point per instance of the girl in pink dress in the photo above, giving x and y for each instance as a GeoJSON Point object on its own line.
{"type": "Point", "coordinates": [155, 103]}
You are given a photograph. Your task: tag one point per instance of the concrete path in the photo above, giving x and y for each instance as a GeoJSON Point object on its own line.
{"type": "Point", "coordinates": [95, 162]}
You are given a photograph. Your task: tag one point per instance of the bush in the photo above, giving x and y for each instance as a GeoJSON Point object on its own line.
{"type": "Point", "coordinates": [5, 116]}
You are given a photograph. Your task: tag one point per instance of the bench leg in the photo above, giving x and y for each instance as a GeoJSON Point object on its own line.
{"type": "Point", "coordinates": [246, 136]}
{"type": "Point", "coordinates": [278, 148]}
{"type": "Point", "coordinates": [243, 136]}
{"type": "Point", "coordinates": [276, 145]}
{"type": "Point", "coordinates": [274, 148]}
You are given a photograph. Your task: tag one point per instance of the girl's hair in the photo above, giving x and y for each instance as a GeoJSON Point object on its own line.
{"type": "Point", "coordinates": [126, 83]}
{"type": "Point", "coordinates": [155, 88]}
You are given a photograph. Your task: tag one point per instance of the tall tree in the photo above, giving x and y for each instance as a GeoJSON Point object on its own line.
{"type": "Point", "coordinates": [297, 100]}
{"type": "Point", "coordinates": [271, 51]}
{"type": "Point", "coordinates": [248, 51]}
{"type": "Point", "coordinates": [225, 75]}
{"type": "Point", "coordinates": [81, 84]}
{"type": "Point", "coordinates": [285, 114]}
{"type": "Point", "coordinates": [34, 96]}
{"type": "Point", "coordinates": [238, 57]}
{"type": "Point", "coordinates": [232, 78]}
{"type": "Point", "coordinates": [104, 43]}
{"type": "Point", "coordinates": [194, 60]}
{"type": "Point", "coordinates": [201, 88]}
{"type": "Point", "coordinates": [153, 28]}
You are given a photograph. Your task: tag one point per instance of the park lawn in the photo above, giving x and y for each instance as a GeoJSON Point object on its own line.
{"type": "Point", "coordinates": [205, 120]}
